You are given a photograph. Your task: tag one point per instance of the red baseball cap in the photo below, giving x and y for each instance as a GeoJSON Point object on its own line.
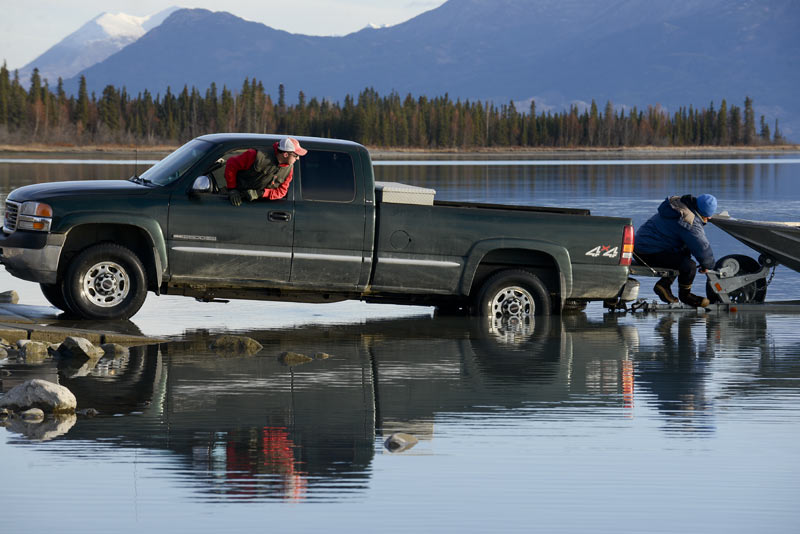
{"type": "Point", "coordinates": [290, 144]}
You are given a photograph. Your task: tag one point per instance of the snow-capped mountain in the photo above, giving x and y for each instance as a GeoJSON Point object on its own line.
{"type": "Point", "coordinates": [93, 42]}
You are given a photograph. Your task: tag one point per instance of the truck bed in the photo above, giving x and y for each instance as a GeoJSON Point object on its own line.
{"type": "Point", "coordinates": [544, 209]}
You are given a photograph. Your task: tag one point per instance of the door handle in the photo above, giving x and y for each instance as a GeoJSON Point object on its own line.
{"type": "Point", "coordinates": [280, 216]}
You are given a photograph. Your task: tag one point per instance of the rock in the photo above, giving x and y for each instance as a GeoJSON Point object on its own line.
{"type": "Point", "coordinates": [50, 428]}
{"type": "Point", "coordinates": [3, 353]}
{"type": "Point", "coordinates": [115, 350]}
{"type": "Point", "coordinates": [236, 345]}
{"type": "Point", "coordinates": [399, 442]}
{"type": "Point", "coordinates": [321, 356]}
{"type": "Point", "coordinates": [87, 412]}
{"type": "Point", "coordinates": [9, 297]}
{"type": "Point", "coordinates": [32, 351]}
{"type": "Point", "coordinates": [79, 347]}
{"type": "Point", "coordinates": [4, 413]}
{"type": "Point", "coordinates": [293, 358]}
{"type": "Point", "coordinates": [37, 393]}
{"type": "Point", "coordinates": [32, 414]}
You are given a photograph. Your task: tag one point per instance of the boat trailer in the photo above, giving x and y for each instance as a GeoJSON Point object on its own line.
{"type": "Point", "coordinates": [737, 282]}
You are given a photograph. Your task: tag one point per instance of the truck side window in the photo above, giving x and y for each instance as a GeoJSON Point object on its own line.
{"type": "Point", "coordinates": [327, 176]}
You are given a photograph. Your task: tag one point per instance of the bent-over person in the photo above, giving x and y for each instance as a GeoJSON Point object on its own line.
{"type": "Point", "coordinates": [671, 237]}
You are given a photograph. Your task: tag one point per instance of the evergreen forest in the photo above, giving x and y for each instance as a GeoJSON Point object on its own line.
{"type": "Point", "coordinates": [41, 114]}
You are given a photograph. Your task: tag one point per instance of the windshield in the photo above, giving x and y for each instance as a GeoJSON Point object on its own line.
{"type": "Point", "coordinates": [173, 166]}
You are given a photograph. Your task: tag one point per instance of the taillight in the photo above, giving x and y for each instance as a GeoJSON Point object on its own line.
{"type": "Point", "coordinates": [627, 246]}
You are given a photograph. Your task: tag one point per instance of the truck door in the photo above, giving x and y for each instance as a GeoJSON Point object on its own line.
{"type": "Point", "coordinates": [329, 222]}
{"type": "Point", "coordinates": [211, 239]}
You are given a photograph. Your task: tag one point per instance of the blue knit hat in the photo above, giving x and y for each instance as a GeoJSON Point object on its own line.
{"type": "Point", "coordinates": [706, 205]}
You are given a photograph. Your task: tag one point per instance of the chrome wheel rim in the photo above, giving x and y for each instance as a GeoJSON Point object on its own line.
{"type": "Point", "coordinates": [512, 301]}
{"type": "Point", "coordinates": [106, 284]}
{"type": "Point", "coordinates": [511, 315]}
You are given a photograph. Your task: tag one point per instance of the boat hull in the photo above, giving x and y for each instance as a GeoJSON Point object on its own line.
{"type": "Point", "coordinates": [778, 240]}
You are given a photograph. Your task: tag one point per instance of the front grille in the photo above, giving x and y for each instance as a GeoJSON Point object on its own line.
{"type": "Point", "coordinates": [10, 220]}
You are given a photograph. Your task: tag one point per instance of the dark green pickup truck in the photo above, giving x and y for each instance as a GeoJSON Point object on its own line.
{"type": "Point", "coordinates": [97, 247]}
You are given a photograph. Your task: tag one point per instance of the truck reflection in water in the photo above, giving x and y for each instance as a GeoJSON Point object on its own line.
{"type": "Point", "coordinates": [253, 427]}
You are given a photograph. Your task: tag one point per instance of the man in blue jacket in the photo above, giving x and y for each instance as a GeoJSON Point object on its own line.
{"type": "Point", "coordinates": [671, 237]}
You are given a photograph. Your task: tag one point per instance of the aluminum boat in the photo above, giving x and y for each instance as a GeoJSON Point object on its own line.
{"type": "Point", "coordinates": [777, 240]}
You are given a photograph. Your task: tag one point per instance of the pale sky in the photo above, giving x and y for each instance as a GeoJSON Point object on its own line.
{"type": "Point", "coordinates": [28, 29]}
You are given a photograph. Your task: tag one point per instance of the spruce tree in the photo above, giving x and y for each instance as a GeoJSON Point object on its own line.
{"type": "Point", "coordinates": [82, 111]}
{"type": "Point", "coordinates": [5, 93]}
{"type": "Point", "coordinates": [749, 122]}
{"type": "Point", "coordinates": [736, 125]}
{"type": "Point", "coordinates": [17, 108]}
{"type": "Point", "coordinates": [109, 108]}
{"type": "Point", "coordinates": [533, 134]}
{"type": "Point", "coordinates": [723, 134]}
{"type": "Point", "coordinates": [764, 132]}
{"type": "Point", "coordinates": [777, 136]}
{"type": "Point", "coordinates": [608, 125]}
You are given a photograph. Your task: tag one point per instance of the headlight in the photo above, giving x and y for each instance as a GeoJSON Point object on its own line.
{"type": "Point", "coordinates": [35, 216]}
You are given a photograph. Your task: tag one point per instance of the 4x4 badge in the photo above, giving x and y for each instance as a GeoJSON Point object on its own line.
{"type": "Point", "coordinates": [603, 250]}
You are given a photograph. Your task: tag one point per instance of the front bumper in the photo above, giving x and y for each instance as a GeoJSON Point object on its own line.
{"type": "Point", "coordinates": [32, 256]}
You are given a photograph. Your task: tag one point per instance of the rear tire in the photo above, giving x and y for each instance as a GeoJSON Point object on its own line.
{"type": "Point", "coordinates": [512, 294]}
{"type": "Point", "coordinates": [105, 281]}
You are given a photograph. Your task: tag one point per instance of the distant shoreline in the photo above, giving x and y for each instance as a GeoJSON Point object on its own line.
{"type": "Point", "coordinates": [381, 152]}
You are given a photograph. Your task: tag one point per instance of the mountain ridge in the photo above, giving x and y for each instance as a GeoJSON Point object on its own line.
{"type": "Point", "coordinates": [629, 52]}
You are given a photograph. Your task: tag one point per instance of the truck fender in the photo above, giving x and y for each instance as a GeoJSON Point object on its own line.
{"type": "Point", "coordinates": [558, 253]}
{"type": "Point", "coordinates": [148, 225]}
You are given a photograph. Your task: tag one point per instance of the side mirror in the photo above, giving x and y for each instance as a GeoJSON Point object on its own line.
{"type": "Point", "coordinates": [202, 184]}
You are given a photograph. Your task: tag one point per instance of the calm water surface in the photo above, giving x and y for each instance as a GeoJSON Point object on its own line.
{"type": "Point", "coordinates": [683, 422]}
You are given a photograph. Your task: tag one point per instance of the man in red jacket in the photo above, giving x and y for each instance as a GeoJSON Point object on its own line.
{"type": "Point", "coordinates": [256, 174]}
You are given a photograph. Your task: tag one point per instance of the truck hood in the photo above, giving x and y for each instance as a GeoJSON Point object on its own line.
{"type": "Point", "coordinates": [82, 188]}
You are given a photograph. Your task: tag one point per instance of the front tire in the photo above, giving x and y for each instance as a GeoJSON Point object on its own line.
{"type": "Point", "coordinates": [55, 296]}
{"type": "Point", "coordinates": [105, 281]}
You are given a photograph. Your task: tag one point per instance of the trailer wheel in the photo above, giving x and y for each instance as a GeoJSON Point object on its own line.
{"type": "Point", "coordinates": [55, 296]}
{"type": "Point", "coordinates": [105, 281]}
{"type": "Point", "coordinates": [755, 291]}
{"type": "Point", "coordinates": [513, 294]}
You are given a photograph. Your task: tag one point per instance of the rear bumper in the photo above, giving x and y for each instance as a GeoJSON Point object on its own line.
{"type": "Point", "coordinates": [598, 282]}
{"type": "Point", "coordinates": [32, 256]}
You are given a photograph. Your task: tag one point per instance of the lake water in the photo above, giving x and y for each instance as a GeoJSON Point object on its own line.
{"type": "Point", "coordinates": [593, 422]}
